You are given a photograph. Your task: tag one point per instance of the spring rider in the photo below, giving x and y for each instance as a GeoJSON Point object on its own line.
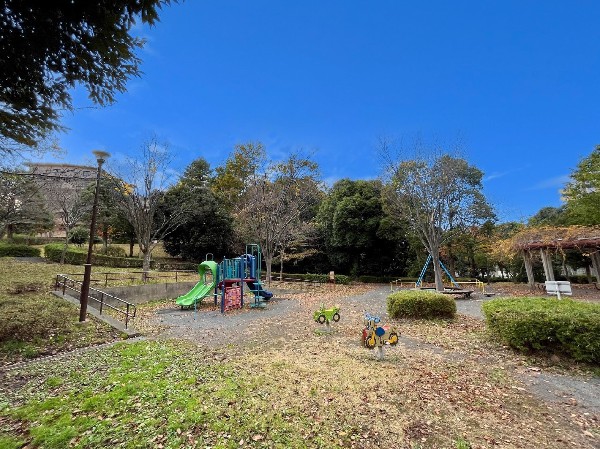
{"type": "Point", "coordinates": [375, 335]}
{"type": "Point", "coordinates": [325, 316]}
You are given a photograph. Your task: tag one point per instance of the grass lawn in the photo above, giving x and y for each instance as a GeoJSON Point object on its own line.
{"type": "Point", "coordinates": [280, 384]}
{"type": "Point", "coordinates": [34, 322]}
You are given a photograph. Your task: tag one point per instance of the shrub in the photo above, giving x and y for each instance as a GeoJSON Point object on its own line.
{"type": "Point", "coordinates": [79, 235]}
{"type": "Point", "coordinates": [26, 239]}
{"type": "Point", "coordinates": [564, 326]}
{"type": "Point", "coordinates": [78, 256]}
{"type": "Point", "coordinates": [420, 304]}
{"type": "Point", "coordinates": [581, 279]}
{"type": "Point", "coordinates": [367, 279]}
{"type": "Point", "coordinates": [113, 251]}
{"type": "Point", "coordinates": [18, 250]}
{"type": "Point", "coordinates": [339, 278]}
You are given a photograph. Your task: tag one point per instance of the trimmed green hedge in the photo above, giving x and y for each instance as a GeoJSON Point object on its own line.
{"type": "Point", "coordinates": [24, 239]}
{"type": "Point", "coordinates": [420, 304]}
{"type": "Point", "coordinates": [565, 326]}
{"type": "Point", "coordinates": [339, 278]}
{"type": "Point", "coordinates": [367, 279]}
{"type": "Point", "coordinates": [78, 256]}
{"type": "Point", "coordinates": [18, 250]}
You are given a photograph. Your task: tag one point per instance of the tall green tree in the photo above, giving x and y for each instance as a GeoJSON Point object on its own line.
{"type": "Point", "coordinates": [22, 207]}
{"type": "Point", "coordinates": [582, 192]}
{"type": "Point", "coordinates": [232, 179]}
{"type": "Point", "coordinates": [359, 237]}
{"type": "Point", "coordinates": [47, 48]}
{"type": "Point", "coordinates": [437, 195]}
{"type": "Point", "coordinates": [207, 227]}
{"type": "Point", "coordinates": [550, 216]}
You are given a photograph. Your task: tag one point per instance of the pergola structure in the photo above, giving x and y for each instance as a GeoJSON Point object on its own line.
{"type": "Point", "coordinates": [585, 239]}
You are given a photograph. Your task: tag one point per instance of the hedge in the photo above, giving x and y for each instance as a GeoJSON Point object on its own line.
{"type": "Point", "coordinates": [339, 278]}
{"type": "Point", "coordinates": [78, 256]}
{"type": "Point", "coordinates": [420, 304]}
{"type": "Point", "coordinates": [564, 326]}
{"type": "Point", "coordinates": [368, 279]}
{"type": "Point", "coordinates": [24, 239]}
{"type": "Point", "coordinates": [18, 250]}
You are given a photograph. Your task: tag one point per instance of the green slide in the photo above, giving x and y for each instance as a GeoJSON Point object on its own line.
{"type": "Point", "coordinates": [204, 287]}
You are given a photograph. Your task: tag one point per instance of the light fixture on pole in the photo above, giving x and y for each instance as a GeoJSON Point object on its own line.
{"type": "Point", "coordinates": [101, 157]}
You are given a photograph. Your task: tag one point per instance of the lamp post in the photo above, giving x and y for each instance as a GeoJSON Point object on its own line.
{"type": "Point", "coordinates": [101, 157]}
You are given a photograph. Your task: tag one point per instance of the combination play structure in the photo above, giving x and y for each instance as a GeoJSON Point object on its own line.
{"type": "Point", "coordinates": [228, 281]}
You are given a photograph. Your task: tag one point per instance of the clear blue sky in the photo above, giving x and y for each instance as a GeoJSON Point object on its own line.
{"type": "Point", "coordinates": [519, 81]}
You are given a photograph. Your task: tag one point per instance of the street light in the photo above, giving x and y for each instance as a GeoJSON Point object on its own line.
{"type": "Point", "coordinates": [101, 156]}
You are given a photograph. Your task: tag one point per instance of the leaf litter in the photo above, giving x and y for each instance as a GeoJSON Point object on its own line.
{"type": "Point", "coordinates": [278, 383]}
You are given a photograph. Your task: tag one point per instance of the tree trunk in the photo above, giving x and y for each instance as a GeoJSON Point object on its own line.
{"type": "Point", "coordinates": [105, 238]}
{"type": "Point", "coordinates": [281, 265]}
{"type": "Point", "coordinates": [450, 260]}
{"type": "Point", "coordinates": [147, 252]}
{"type": "Point", "coordinates": [437, 269]}
{"type": "Point", "coordinates": [64, 250]}
{"type": "Point", "coordinates": [131, 245]}
{"type": "Point", "coordinates": [268, 263]}
{"type": "Point", "coordinates": [10, 229]}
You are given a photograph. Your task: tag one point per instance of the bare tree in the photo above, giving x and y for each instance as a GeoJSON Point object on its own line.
{"type": "Point", "coordinates": [436, 193]}
{"type": "Point", "coordinates": [66, 199]}
{"type": "Point", "coordinates": [140, 193]}
{"type": "Point", "coordinates": [277, 203]}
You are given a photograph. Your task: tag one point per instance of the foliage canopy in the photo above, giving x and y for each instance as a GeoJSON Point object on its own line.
{"type": "Point", "coordinates": [582, 193]}
{"type": "Point", "coordinates": [48, 48]}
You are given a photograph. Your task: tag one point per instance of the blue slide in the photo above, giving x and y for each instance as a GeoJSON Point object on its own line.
{"type": "Point", "coordinates": [257, 288]}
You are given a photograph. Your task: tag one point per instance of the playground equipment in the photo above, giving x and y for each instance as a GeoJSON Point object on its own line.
{"type": "Point", "coordinates": [231, 277]}
{"type": "Point", "coordinates": [208, 276]}
{"type": "Point", "coordinates": [422, 275]}
{"type": "Point", "coordinates": [376, 336]}
{"type": "Point", "coordinates": [325, 316]}
{"type": "Point", "coordinates": [456, 288]}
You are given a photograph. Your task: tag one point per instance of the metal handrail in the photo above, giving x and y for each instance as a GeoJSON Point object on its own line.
{"type": "Point", "coordinates": [127, 309]}
{"type": "Point", "coordinates": [145, 275]}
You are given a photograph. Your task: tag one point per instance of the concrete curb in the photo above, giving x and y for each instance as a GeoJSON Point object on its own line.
{"type": "Point", "coordinates": [129, 331]}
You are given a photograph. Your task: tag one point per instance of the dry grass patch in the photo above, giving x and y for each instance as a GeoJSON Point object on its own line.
{"type": "Point", "coordinates": [408, 400]}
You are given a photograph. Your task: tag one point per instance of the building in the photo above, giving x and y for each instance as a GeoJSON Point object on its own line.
{"type": "Point", "coordinates": [62, 187]}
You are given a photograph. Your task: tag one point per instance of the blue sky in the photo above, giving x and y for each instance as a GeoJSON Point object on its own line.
{"type": "Point", "coordinates": [518, 82]}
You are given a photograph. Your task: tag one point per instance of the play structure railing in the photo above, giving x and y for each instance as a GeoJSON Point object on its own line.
{"type": "Point", "coordinates": [117, 277]}
{"type": "Point", "coordinates": [118, 306]}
